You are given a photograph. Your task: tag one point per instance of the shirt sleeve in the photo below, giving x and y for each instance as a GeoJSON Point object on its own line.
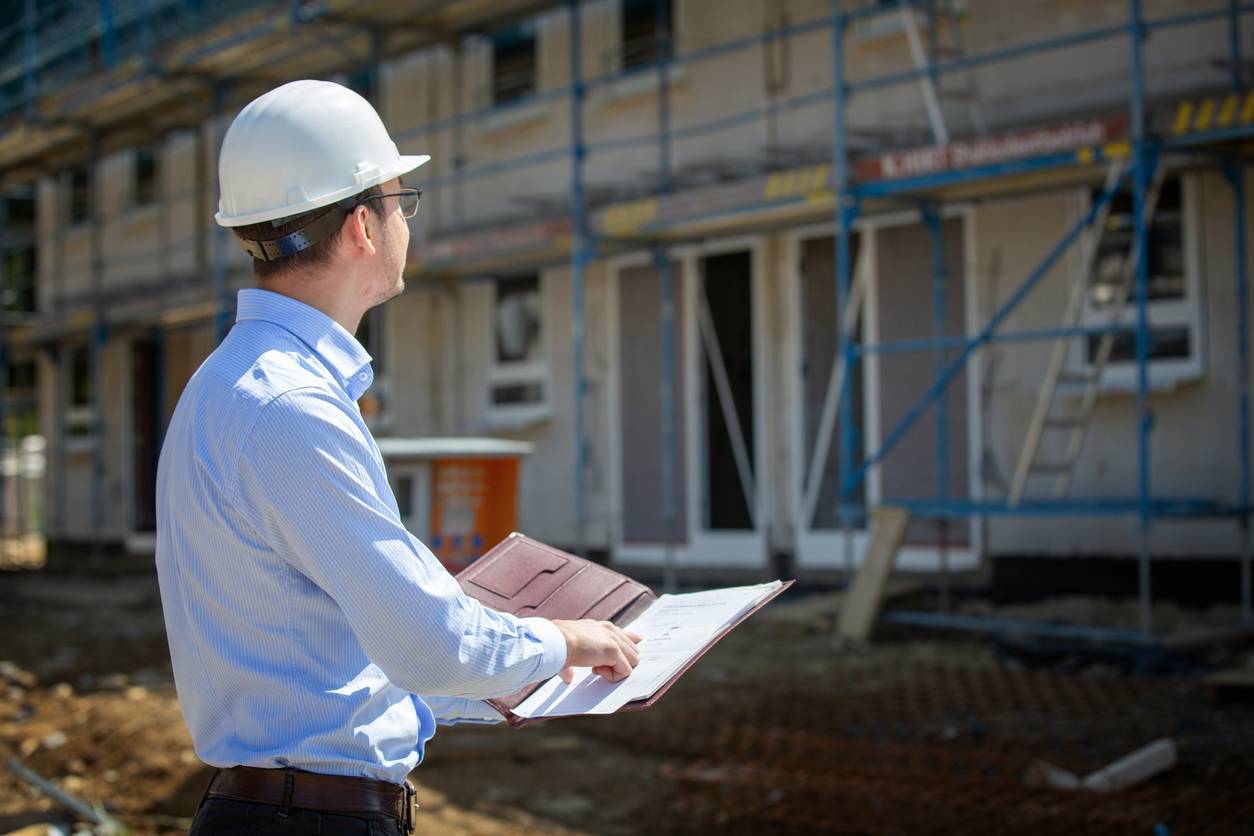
{"type": "Point", "coordinates": [310, 481]}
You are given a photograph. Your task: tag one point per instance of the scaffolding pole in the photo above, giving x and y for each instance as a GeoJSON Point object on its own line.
{"type": "Point", "coordinates": [1142, 171]}
{"type": "Point", "coordinates": [28, 60]}
{"type": "Point", "coordinates": [5, 284]}
{"type": "Point", "coordinates": [936, 232]}
{"type": "Point", "coordinates": [846, 213]}
{"type": "Point", "coordinates": [108, 43]}
{"type": "Point", "coordinates": [375, 317]}
{"type": "Point", "coordinates": [1234, 173]}
{"type": "Point", "coordinates": [1234, 44]}
{"type": "Point", "coordinates": [98, 337]}
{"type": "Point", "coordinates": [217, 254]}
{"type": "Point", "coordinates": [579, 258]}
{"type": "Point", "coordinates": [666, 281]}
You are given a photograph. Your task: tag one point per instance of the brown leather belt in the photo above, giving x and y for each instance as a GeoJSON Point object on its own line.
{"type": "Point", "coordinates": [313, 791]}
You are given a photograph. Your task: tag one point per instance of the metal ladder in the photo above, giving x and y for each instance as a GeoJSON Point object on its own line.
{"type": "Point", "coordinates": [942, 17]}
{"type": "Point", "coordinates": [1075, 424]}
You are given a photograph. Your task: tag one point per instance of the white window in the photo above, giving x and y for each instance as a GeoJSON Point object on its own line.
{"type": "Point", "coordinates": [1175, 289]}
{"type": "Point", "coordinates": [518, 384]}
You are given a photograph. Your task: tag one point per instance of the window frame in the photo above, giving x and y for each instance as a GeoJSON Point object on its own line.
{"type": "Point", "coordinates": [141, 198]}
{"type": "Point", "coordinates": [1162, 314]}
{"type": "Point", "coordinates": [78, 421]}
{"type": "Point", "coordinates": [654, 56]}
{"type": "Point", "coordinates": [21, 285]}
{"type": "Point", "coordinates": [525, 373]}
{"type": "Point", "coordinates": [525, 37]}
{"type": "Point", "coordinates": [21, 399]}
{"type": "Point", "coordinates": [72, 220]}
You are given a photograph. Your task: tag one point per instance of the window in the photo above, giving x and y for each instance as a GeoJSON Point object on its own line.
{"type": "Point", "coordinates": [21, 408]}
{"type": "Point", "coordinates": [19, 280]}
{"type": "Point", "coordinates": [1174, 309]}
{"type": "Point", "coordinates": [81, 383]}
{"type": "Point", "coordinates": [79, 195]}
{"type": "Point", "coordinates": [514, 63]}
{"type": "Point", "coordinates": [80, 414]}
{"type": "Point", "coordinates": [145, 186]}
{"type": "Point", "coordinates": [20, 210]}
{"type": "Point", "coordinates": [646, 31]}
{"type": "Point", "coordinates": [23, 376]}
{"type": "Point", "coordinates": [518, 380]}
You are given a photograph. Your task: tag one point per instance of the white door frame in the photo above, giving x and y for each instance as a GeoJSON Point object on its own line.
{"type": "Point", "coordinates": [704, 548]}
{"type": "Point", "coordinates": [823, 548]}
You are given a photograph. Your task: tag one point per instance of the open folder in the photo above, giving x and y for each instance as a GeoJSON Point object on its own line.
{"type": "Point", "coordinates": [527, 578]}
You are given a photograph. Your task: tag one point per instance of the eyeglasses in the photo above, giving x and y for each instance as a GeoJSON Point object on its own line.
{"type": "Point", "coordinates": [408, 198]}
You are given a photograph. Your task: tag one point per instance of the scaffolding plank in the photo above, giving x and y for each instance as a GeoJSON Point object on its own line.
{"type": "Point", "coordinates": [862, 605]}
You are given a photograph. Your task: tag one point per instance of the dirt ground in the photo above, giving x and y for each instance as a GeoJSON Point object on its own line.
{"type": "Point", "coordinates": [773, 732]}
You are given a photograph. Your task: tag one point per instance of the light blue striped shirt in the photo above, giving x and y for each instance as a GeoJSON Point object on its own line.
{"type": "Point", "coordinates": [303, 618]}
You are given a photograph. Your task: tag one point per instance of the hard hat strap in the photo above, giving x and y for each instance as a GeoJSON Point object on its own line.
{"type": "Point", "coordinates": [319, 230]}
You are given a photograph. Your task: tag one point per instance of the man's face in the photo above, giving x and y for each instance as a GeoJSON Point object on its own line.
{"type": "Point", "coordinates": [393, 246]}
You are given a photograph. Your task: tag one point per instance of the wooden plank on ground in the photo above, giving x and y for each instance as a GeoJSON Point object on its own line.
{"type": "Point", "coordinates": [862, 604]}
{"type": "Point", "coordinates": [1235, 684]}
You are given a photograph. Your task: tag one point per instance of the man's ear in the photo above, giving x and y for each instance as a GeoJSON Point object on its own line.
{"type": "Point", "coordinates": [360, 235]}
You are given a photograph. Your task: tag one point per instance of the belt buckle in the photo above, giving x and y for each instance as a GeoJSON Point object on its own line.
{"type": "Point", "coordinates": [410, 820]}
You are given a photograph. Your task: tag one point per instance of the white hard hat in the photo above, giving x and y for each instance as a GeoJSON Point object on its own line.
{"type": "Point", "coordinates": [301, 146]}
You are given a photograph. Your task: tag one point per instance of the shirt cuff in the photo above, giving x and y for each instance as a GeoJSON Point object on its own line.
{"type": "Point", "coordinates": [554, 646]}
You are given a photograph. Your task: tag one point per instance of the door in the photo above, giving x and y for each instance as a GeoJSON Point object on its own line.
{"type": "Point", "coordinates": [820, 543]}
{"type": "Point", "coordinates": [912, 469]}
{"type": "Point", "coordinates": [645, 521]}
{"type": "Point", "coordinates": [725, 426]}
{"type": "Point", "coordinates": [717, 518]}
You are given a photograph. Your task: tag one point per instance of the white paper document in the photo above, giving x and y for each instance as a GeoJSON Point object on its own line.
{"type": "Point", "coordinates": [675, 629]}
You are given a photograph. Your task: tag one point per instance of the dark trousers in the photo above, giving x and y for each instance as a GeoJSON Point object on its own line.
{"type": "Point", "coordinates": [224, 815]}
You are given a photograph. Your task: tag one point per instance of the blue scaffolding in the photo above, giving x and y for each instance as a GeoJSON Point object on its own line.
{"type": "Point", "coordinates": [849, 196]}
{"type": "Point", "coordinates": [1145, 149]}
{"type": "Point", "coordinates": [132, 30]}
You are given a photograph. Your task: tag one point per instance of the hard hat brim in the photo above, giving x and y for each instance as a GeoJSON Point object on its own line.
{"type": "Point", "coordinates": [404, 165]}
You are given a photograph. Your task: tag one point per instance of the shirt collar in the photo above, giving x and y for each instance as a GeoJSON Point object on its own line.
{"type": "Point", "coordinates": [339, 350]}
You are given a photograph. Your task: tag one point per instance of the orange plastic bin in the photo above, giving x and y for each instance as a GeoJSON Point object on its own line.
{"type": "Point", "coordinates": [458, 495]}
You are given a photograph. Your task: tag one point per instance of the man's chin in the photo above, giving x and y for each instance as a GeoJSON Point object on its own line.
{"type": "Point", "coordinates": [391, 292]}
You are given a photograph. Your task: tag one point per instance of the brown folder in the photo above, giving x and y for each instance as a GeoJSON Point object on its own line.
{"type": "Point", "coordinates": [524, 577]}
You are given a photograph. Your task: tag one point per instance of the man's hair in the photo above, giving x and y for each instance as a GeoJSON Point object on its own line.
{"type": "Point", "coordinates": [317, 255]}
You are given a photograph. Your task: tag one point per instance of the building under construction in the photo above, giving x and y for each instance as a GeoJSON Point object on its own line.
{"type": "Point", "coordinates": [741, 271]}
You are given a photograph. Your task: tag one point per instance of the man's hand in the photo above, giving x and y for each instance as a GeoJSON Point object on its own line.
{"type": "Point", "coordinates": [609, 650]}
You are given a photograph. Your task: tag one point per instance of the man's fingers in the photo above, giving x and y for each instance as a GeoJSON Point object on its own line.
{"type": "Point", "coordinates": [630, 651]}
{"type": "Point", "coordinates": [622, 666]}
{"type": "Point", "coordinates": [609, 650]}
{"type": "Point", "coordinates": [614, 672]}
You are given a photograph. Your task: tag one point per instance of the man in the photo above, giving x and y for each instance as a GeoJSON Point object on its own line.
{"type": "Point", "coordinates": [315, 642]}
